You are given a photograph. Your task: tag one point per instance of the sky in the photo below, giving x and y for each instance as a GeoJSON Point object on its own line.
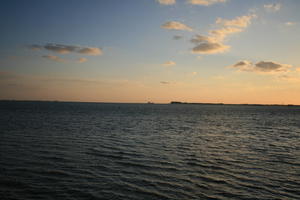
{"type": "Point", "coordinates": [217, 51]}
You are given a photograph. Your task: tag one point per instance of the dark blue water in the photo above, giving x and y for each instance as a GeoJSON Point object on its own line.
{"type": "Point", "coordinates": [52, 150]}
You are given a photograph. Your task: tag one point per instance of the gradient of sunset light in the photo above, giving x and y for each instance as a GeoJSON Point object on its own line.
{"type": "Point", "coordinates": [229, 51]}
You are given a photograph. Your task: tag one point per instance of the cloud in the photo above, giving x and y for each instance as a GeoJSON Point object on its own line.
{"type": "Point", "coordinates": [242, 21]}
{"type": "Point", "coordinates": [174, 25]}
{"type": "Point", "coordinates": [66, 49]}
{"type": "Point", "coordinates": [218, 77]}
{"type": "Point", "coordinates": [208, 46]}
{"type": "Point", "coordinates": [93, 51]}
{"type": "Point", "coordinates": [35, 47]}
{"type": "Point", "coordinates": [205, 2]}
{"type": "Point", "coordinates": [59, 48]}
{"type": "Point", "coordinates": [71, 80]}
{"type": "Point", "coordinates": [262, 67]}
{"type": "Point", "coordinates": [274, 7]}
{"type": "Point", "coordinates": [165, 82]}
{"type": "Point", "coordinates": [54, 58]}
{"type": "Point", "coordinates": [214, 43]}
{"type": "Point", "coordinates": [200, 38]}
{"type": "Point", "coordinates": [177, 37]}
{"type": "Point", "coordinates": [290, 23]}
{"type": "Point", "coordinates": [199, 57]}
{"type": "Point", "coordinates": [272, 67]}
{"type": "Point", "coordinates": [289, 78]}
{"type": "Point", "coordinates": [169, 64]}
{"type": "Point", "coordinates": [221, 34]}
{"type": "Point", "coordinates": [82, 60]}
{"type": "Point", "coordinates": [58, 59]}
{"type": "Point", "coordinates": [243, 65]}
{"type": "Point", "coordinates": [166, 2]}
{"type": "Point", "coordinates": [228, 27]}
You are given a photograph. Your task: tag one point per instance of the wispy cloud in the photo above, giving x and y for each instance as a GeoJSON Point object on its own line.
{"type": "Point", "coordinates": [228, 27]}
{"type": "Point", "coordinates": [166, 2]}
{"type": "Point", "coordinates": [59, 59]}
{"type": "Point", "coordinates": [93, 51]}
{"type": "Point", "coordinates": [165, 82]}
{"type": "Point", "coordinates": [242, 21]}
{"type": "Point", "coordinates": [82, 60]}
{"type": "Point", "coordinates": [220, 34]}
{"type": "Point", "coordinates": [290, 78]}
{"type": "Point", "coordinates": [21, 86]}
{"type": "Point", "coordinates": [205, 2]}
{"type": "Point", "coordinates": [262, 67]}
{"type": "Point", "coordinates": [11, 76]}
{"type": "Point", "coordinates": [199, 57]}
{"type": "Point", "coordinates": [290, 23]}
{"type": "Point", "coordinates": [218, 77]}
{"type": "Point", "coordinates": [274, 7]}
{"type": "Point", "coordinates": [66, 49]}
{"type": "Point", "coordinates": [214, 42]}
{"type": "Point", "coordinates": [35, 47]}
{"type": "Point", "coordinates": [169, 64]}
{"type": "Point", "coordinates": [54, 58]}
{"type": "Point", "coordinates": [177, 37]}
{"type": "Point", "coordinates": [174, 25]}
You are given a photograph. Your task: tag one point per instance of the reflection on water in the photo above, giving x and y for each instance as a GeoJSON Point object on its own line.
{"type": "Point", "coordinates": [51, 150]}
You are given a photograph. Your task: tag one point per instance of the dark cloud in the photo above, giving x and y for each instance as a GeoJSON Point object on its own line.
{"type": "Point", "coordinates": [214, 43]}
{"type": "Point", "coordinates": [261, 67]}
{"type": "Point", "coordinates": [59, 48]}
{"type": "Point", "coordinates": [207, 45]}
{"type": "Point", "coordinates": [54, 58]}
{"type": "Point", "coordinates": [210, 48]}
{"type": "Point", "coordinates": [242, 63]}
{"type": "Point", "coordinates": [66, 49]}
{"type": "Point", "coordinates": [271, 67]}
{"type": "Point", "coordinates": [177, 37]}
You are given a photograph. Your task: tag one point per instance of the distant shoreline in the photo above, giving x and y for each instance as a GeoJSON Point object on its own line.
{"type": "Point", "coordinates": [221, 104]}
{"type": "Point", "coordinates": [153, 103]}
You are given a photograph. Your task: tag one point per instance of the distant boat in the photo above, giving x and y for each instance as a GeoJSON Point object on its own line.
{"type": "Point", "coordinates": [149, 102]}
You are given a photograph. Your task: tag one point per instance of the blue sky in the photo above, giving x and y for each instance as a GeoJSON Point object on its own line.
{"type": "Point", "coordinates": [126, 47]}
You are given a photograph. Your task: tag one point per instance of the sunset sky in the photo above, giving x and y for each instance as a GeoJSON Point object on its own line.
{"type": "Point", "coordinates": [230, 51]}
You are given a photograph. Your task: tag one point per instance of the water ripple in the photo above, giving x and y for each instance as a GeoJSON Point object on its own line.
{"type": "Point", "coordinates": [51, 150]}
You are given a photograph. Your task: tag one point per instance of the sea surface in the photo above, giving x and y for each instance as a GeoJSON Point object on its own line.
{"type": "Point", "coordinates": [60, 150]}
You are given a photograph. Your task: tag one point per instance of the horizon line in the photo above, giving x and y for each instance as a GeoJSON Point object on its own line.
{"type": "Point", "coordinates": [151, 102]}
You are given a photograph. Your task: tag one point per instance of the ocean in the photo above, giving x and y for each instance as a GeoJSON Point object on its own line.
{"type": "Point", "coordinates": [61, 150]}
